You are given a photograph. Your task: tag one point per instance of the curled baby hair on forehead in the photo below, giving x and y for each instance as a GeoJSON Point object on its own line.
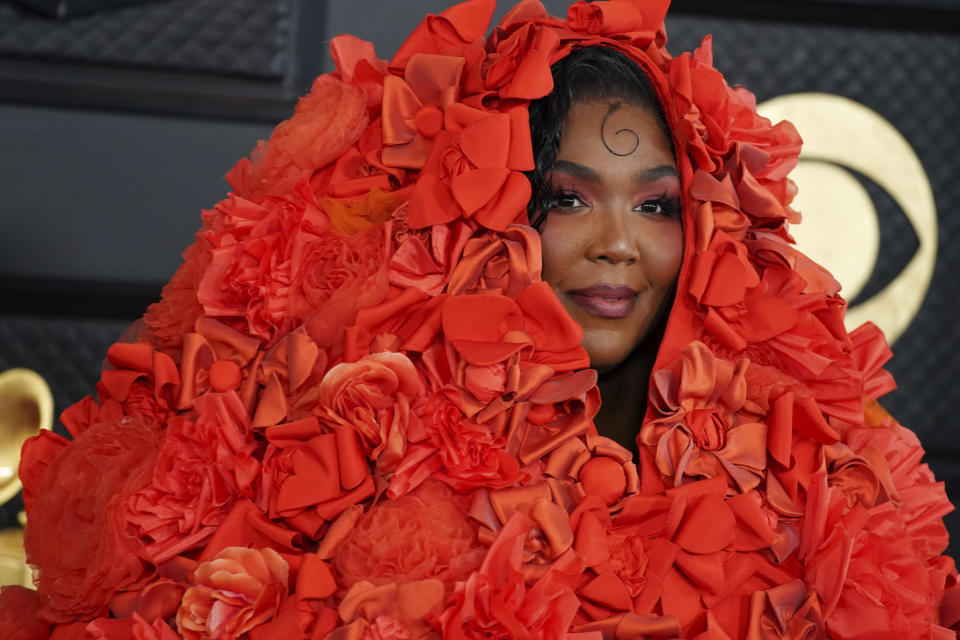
{"type": "Point", "coordinates": [585, 75]}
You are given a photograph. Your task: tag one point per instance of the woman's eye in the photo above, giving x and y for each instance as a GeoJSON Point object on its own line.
{"type": "Point", "coordinates": [660, 207]}
{"type": "Point", "coordinates": [650, 206]}
{"type": "Point", "coordinates": [566, 201]}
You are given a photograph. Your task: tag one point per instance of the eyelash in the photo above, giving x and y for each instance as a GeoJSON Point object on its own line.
{"type": "Point", "coordinates": [668, 207]}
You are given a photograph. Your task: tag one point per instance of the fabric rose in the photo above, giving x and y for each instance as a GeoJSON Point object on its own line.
{"type": "Point", "coordinates": [202, 467]}
{"type": "Point", "coordinates": [715, 119]}
{"type": "Point", "coordinates": [450, 32]}
{"type": "Point", "coordinates": [357, 64]}
{"type": "Point", "coordinates": [81, 498]}
{"type": "Point", "coordinates": [359, 179]}
{"type": "Point", "coordinates": [520, 65]}
{"type": "Point", "coordinates": [533, 330]}
{"type": "Point", "coordinates": [786, 611]}
{"type": "Point", "coordinates": [143, 381]}
{"type": "Point", "coordinates": [413, 107]}
{"type": "Point", "coordinates": [373, 396]}
{"type": "Point", "coordinates": [670, 554]}
{"type": "Point", "coordinates": [456, 450]}
{"type": "Point", "coordinates": [505, 262]}
{"type": "Point", "coordinates": [279, 258]}
{"type": "Point", "coordinates": [336, 276]}
{"type": "Point", "coordinates": [515, 363]}
{"type": "Point", "coordinates": [425, 534]}
{"type": "Point", "coordinates": [495, 602]}
{"type": "Point", "coordinates": [256, 246]}
{"type": "Point", "coordinates": [158, 630]}
{"type": "Point", "coordinates": [699, 433]}
{"type": "Point", "coordinates": [894, 455]}
{"type": "Point", "coordinates": [613, 17]}
{"type": "Point", "coordinates": [132, 628]}
{"type": "Point", "coordinates": [426, 259]}
{"type": "Point", "coordinates": [233, 593]}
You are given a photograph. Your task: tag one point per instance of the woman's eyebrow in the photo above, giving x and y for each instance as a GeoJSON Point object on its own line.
{"type": "Point", "coordinates": [576, 170]}
{"type": "Point", "coordinates": [655, 173]}
{"type": "Point", "coordinates": [584, 172]}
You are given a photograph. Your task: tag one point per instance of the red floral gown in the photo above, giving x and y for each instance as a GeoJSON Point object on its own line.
{"type": "Point", "coordinates": [358, 411]}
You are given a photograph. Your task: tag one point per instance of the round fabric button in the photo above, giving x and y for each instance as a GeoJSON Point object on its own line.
{"type": "Point", "coordinates": [225, 375]}
{"type": "Point", "coordinates": [604, 477]}
{"type": "Point", "coordinates": [429, 120]}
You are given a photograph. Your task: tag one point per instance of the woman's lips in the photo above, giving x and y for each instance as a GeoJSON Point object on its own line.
{"type": "Point", "coordinates": [606, 301]}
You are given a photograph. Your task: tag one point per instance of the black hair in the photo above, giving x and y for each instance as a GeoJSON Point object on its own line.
{"type": "Point", "coordinates": [585, 75]}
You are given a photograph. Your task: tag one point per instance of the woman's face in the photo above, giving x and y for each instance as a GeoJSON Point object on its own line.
{"type": "Point", "coordinates": [613, 238]}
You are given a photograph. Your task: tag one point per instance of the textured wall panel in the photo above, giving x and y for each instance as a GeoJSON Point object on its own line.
{"type": "Point", "coordinates": [246, 37]}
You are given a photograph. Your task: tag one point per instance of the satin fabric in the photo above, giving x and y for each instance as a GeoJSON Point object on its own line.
{"type": "Point", "coordinates": [358, 411]}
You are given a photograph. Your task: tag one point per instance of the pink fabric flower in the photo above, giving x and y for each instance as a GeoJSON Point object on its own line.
{"type": "Point", "coordinates": [233, 593]}
{"type": "Point", "coordinates": [373, 396]}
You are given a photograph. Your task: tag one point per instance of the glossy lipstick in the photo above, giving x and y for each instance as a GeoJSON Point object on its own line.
{"type": "Point", "coordinates": [606, 301]}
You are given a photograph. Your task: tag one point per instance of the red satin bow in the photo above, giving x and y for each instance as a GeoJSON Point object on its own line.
{"type": "Point", "coordinates": [413, 107]}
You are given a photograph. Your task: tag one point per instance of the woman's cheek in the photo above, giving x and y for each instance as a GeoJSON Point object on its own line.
{"type": "Point", "coordinates": [558, 239]}
{"type": "Point", "coordinates": [666, 252]}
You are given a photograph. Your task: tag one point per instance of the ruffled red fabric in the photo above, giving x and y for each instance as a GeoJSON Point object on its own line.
{"type": "Point", "coordinates": [81, 498]}
{"type": "Point", "coordinates": [358, 412]}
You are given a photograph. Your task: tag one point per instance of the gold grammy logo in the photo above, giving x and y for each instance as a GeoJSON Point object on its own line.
{"type": "Point", "coordinates": [840, 227]}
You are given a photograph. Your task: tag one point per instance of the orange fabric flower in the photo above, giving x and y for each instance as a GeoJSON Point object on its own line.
{"type": "Point", "coordinates": [871, 583]}
{"type": "Point", "coordinates": [373, 397]}
{"type": "Point", "coordinates": [413, 107]}
{"type": "Point", "coordinates": [426, 260]}
{"type": "Point", "coordinates": [233, 593]}
{"type": "Point", "coordinates": [143, 381]}
{"type": "Point", "coordinates": [311, 476]}
{"type": "Point", "coordinates": [452, 31]}
{"type": "Point", "coordinates": [456, 450]}
{"type": "Point", "coordinates": [336, 276]}
{"type": "Point", "coordinates": [326, 122]}
{"type": "Point", "coordinates": [520, 66]}
{"type": "Point", "coordinates": [787, 612]}
{"type": "Point", "coordinates": [202, 467]}
{"type": "Point", "coordinates": [495, 602]}
{"type": "Point", "coordinates": [425, 534]}
{"type": "Point", "coordinates": [473, 170]}
{"type": "Point", "coordinates": [700, 434]}
{"type": "Point", "coordinates": [255, 255]}
{"type": "Point", "coordinates": [390, 611]}
{"type": "Point", "coordinates": [505, 262]}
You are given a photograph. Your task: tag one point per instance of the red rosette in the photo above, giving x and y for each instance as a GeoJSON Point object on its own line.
{"type": "Point", "coordinates": [81, 499]}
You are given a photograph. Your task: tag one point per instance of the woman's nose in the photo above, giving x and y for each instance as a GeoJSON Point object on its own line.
{"type": "Point", "coordinates": [609, 237]}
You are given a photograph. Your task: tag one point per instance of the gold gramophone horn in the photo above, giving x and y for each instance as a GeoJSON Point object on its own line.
{"type": "Point", "coordinates": [26, 407]}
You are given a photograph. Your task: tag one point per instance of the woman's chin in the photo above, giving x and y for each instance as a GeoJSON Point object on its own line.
{"type": "Point", "coordinates": [606, 358]}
